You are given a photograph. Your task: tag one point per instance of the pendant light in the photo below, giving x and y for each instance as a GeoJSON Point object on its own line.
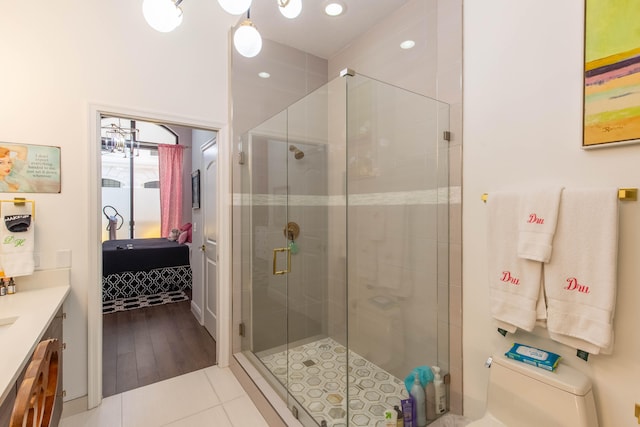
{"type": "Point", "coordinates": [247, 39]}
{"type": "Point", "coordinates": [162, 15]}
{"type": "Point", "coordinates": [235, 7]}
{"type": "Point", "coordinates": [290, 8]}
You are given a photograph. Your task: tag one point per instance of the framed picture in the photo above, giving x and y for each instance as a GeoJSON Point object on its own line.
{"type": "Point", "coordinates": [195, 189]}
{"type": "Point", "coordinates": [611, 72]}
{"type": "Point", "coordinates": [29, 168]}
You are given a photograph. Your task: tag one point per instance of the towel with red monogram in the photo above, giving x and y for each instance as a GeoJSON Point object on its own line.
{"type": "Point", "coordinates": [514, 282]}
{"type": "Point", "coordinates": [580, 278]}
{"type": "Point", "coordinates": [538, 219]}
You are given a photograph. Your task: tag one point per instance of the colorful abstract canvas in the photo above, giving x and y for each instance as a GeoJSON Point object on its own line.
{"type": "Point", "coordinates": [612, 72]}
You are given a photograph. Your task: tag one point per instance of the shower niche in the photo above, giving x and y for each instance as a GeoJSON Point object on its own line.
{"type": "Point", "coordinates": [336, 315]}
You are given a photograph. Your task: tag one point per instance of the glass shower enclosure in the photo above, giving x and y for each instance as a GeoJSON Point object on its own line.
{"type": "Point", "coordinates": [344, 248]}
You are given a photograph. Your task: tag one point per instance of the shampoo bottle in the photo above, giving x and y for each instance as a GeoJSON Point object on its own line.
{"type": "Point", "coordinates": [400, 417]}
{"type": "Point", "coordinates": [439, 391]}
{"type": "Point", "coordinates": [417, 392]}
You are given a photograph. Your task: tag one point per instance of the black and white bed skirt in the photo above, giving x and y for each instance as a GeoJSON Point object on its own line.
{"type": "Point", "coordinates": [128, 284]}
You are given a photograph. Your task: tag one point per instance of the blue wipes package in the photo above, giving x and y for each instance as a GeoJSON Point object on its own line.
{"type": "Point", "coordinates": [534, 356]}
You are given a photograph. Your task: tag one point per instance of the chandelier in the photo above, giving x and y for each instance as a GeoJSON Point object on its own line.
{"type": "Point", "coordinates": [166, 15]}
{"type": "Point", "coordinates": [120, 140]}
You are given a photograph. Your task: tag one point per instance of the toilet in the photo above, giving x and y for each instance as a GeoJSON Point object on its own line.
{"type": "Point", "coordinates": [520, 395]}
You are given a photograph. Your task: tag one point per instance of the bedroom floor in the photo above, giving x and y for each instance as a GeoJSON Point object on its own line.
{"type": "Point", "coordinates": [151, 344]}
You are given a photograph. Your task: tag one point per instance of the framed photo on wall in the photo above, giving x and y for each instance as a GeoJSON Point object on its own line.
{"type": "Point", "coordinates": [611, 72]}
{"type": "Point", "coordinates": [195, 189]}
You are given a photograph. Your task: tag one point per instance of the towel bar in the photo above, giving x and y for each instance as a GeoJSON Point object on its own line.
{"type": "Point", "coordinates": [21, 201]}
{"type": "Point", "coordinates": [624, 194]}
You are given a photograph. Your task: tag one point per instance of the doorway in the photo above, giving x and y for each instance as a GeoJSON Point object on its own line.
{"type": "Point", "coordinates": [157, 339]}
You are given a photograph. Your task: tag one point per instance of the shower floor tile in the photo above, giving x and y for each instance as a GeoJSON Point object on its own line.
{"type": "Point", "coordinates": [318, 381]}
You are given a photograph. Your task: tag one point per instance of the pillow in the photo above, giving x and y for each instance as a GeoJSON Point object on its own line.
{"type": "Point", "coordinates": [173, 235]}
{"type": "Point", "coordinates": [183, 237]}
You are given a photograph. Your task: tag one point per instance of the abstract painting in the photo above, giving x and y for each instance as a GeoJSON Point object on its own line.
{"type": "Point", "coordinates": [611, 72]}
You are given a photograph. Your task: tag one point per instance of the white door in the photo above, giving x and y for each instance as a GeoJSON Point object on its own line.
{"type": "Point", "coordinates": [209, 190]}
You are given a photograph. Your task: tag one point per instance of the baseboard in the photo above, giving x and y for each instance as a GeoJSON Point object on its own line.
{"type": "Point", "coordinates": [75, 406]}
{"type": "Point", "coordinates": [268, 412]}
{"type": "Point", "coordinates": [197, 313]}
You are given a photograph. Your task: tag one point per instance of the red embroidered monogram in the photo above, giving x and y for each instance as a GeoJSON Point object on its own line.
{"type": "Point", "coordinates": [533, 219]}
{"type": "Point", "coordinates": [573, 285]}
{"type": "Point", "coordinates": [508, 278]}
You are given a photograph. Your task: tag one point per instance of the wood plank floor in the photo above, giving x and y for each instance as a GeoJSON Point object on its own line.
{"type": "Point", "coordinates": [151, 344]}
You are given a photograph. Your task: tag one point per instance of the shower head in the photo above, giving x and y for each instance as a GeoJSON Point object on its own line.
{"type": "Point", "coordinates": [297, 153]}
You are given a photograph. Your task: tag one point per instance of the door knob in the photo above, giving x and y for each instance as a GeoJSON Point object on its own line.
{"type": "Point", "coordinates": [203, 248]}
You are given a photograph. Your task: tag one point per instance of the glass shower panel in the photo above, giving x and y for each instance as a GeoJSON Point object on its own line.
{"type": "Point", "coordinates": [397, 313]}
{"type": "Point", "coordinates": [351, 182]}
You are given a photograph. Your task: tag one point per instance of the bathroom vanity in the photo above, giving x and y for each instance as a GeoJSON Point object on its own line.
{"type": "Point", "coordinates": [32, 314]}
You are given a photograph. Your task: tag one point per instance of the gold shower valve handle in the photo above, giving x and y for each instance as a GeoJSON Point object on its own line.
{"type": "Point", "coordinates": [277, 272]}
{"type": "Point", "coordinates": [292, 231]}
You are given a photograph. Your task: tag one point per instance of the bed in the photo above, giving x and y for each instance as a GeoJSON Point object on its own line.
{"type": "Point", "coordinates": [137, 267]}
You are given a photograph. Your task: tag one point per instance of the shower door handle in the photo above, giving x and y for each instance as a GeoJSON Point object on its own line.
{"type": "Point", "coordinates": [277, 272]}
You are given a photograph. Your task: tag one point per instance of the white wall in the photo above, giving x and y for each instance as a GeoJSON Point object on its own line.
{"type": "Point", "coordinates": [58, 58]}
{"type": "Point", "coordinates": [522, 128]}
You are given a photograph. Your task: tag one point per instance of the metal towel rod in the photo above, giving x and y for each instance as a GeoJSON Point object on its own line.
{"type": "Point", "coordinates": [624, 194]}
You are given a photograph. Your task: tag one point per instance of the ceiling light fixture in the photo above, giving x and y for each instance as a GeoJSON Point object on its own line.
{"type": "Point", "coordinates": [407, 44]}
{"type": "Point", "coordinates": [166, 15]}
{"type": "Point", "coordinates": [247, 39]}
{"type": "Point", "coordinates": [264, 75]}
{"type": "Point", "coordinates": [162, 15]}
{"type": "Point", "coordinates": [235, 7]}
{"type": "Point", "coordinates": [334, 8]}
{"type": "Point", "coordinates": [290, 8]}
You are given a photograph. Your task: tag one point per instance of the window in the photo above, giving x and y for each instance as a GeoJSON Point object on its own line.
{"type": "Point", "coordinates": [106, 182]}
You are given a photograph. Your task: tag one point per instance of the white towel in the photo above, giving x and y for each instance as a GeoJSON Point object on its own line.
{"type": "Point", "coordinates": [580, 279]}
{"type": "Point", "coordinates": [16, 248]}
{"type": "Point", "coordinates": [538, 219]}
{"type": "Point", "coordinates": [514, 283]}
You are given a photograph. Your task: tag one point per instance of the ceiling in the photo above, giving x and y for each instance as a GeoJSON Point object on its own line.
{"type": "Point", "coordinates": [315, 32]}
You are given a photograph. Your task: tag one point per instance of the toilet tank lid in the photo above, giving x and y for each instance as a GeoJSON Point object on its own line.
{"type": "Point", "coordinates": [564, 377]}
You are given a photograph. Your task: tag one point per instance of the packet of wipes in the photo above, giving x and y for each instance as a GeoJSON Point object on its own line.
{"type": "Point", "coordinates": [534, 356]}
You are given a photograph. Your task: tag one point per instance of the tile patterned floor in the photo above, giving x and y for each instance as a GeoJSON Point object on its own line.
{"type": "Point", "coordinates": [210, 397]}
{"type": "Point", "coordinates": [317, 380]}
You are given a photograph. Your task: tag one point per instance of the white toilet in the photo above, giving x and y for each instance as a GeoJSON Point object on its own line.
{"type": "Point", "coordinates": [520, 395]}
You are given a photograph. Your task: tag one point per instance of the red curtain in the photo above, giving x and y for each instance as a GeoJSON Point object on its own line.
{"type": "Point", "coordinates": [170, 165]}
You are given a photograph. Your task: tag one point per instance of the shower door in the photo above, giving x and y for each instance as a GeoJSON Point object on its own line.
{"type": "Point", "coordinates": [285, 227]}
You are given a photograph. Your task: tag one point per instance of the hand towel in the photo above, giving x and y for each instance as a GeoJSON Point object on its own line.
{"type": "Point", "coordinates": [580, 279]}
{"type": "Point", "coordinates": [16, 248]}
{"type": "Point", "coordinates": [538, 219]}
{"type": "Point", "coordinates": [514, 282]}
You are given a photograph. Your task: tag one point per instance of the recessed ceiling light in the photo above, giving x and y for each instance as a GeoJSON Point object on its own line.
{"type": "Point", "coordinates": [407, 44]}
{"type": "Point", "coordinates": [334, 8]}
{"type": "Point", "coordinates": [264, 74]}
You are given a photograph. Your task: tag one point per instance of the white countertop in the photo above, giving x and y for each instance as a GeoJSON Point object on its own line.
{"type": "Point", "coordinates": [35, 303]}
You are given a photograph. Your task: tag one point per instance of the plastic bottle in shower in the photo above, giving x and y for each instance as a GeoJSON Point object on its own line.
{"type": "Point", "coordinates": [417, 392]}
{"type": "Point", "coordinates": [440, 392]}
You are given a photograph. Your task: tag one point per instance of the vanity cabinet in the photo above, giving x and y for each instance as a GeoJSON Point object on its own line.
{"type": "Point", "coordinates": [54, 330]}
